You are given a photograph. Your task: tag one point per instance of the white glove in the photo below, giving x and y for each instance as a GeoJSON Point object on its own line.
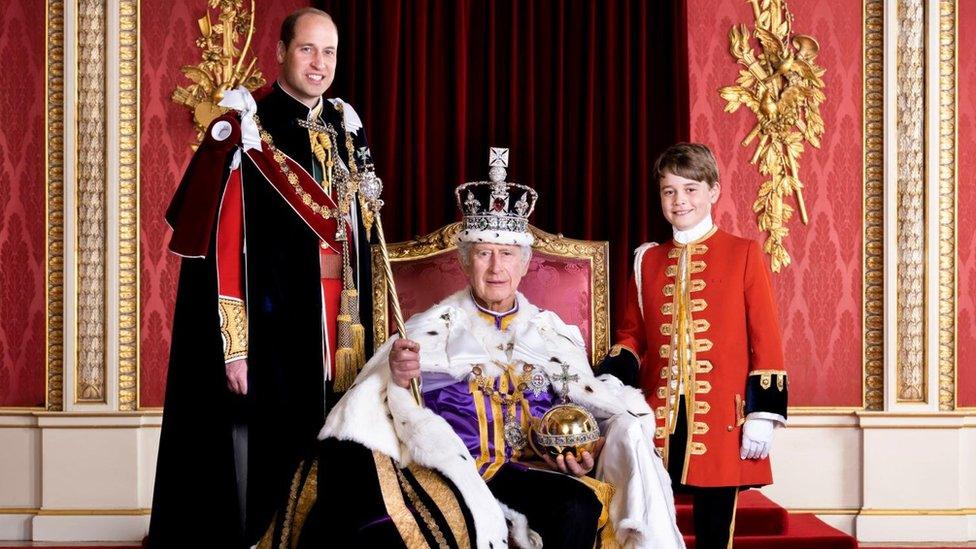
{"type": "Point", "coordinates": [757, 438]}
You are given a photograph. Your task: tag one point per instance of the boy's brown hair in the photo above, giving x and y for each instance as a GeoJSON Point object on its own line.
{"type": "Point", "coordinates": [689, 160]}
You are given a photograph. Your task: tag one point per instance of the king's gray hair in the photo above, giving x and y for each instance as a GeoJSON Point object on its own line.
{"type": "Point", "coordinates": [464, 252]}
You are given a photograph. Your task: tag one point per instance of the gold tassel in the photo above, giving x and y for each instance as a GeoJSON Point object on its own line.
{"type": "Point", "coordinates": [345, 359]}
{"type": "Point", "coordinates": [351, 336]}
{"type": "Point", "coordinates": [358, 334]}
{"type": "Point", "coordinates": [345, 370]}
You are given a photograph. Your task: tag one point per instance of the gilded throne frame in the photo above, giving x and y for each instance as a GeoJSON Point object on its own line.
{"type": "Point", "coordinates": [547, 245]}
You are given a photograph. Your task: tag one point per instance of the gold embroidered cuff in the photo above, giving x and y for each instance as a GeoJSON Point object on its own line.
{"type": "Point", "coordinates": [233, 327]}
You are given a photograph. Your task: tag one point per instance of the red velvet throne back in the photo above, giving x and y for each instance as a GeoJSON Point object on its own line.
{"type": "Point", "coordinates": [566, 276]}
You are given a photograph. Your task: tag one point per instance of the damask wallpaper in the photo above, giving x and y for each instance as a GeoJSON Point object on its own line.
{"type": "Point", "coordinates": [966, 204]}
{"type": "Point", "coordinates": [168, 32]}
{"type": "Point", "coordinates": [819, 295]}
{"type": "Point", "coordinates": [22, 142]}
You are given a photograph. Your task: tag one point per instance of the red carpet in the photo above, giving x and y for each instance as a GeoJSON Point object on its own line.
{"type": "Point", "coordinates": [760, 523]}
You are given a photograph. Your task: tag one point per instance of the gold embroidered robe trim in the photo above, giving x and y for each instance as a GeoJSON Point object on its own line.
{"type": "Point", "coordinates": [401, 516]}
{"type": "Point", "coordinates": [447, 503]}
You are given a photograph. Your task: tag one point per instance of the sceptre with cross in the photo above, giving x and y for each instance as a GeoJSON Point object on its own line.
{"type": "Point", "coordinates": [370, 188]}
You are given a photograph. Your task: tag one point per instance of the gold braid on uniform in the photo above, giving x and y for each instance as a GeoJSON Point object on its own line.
{"type": "Point", "coordinates": [351, 336]}
{"type": "Point", "coordinates": [233, 327]}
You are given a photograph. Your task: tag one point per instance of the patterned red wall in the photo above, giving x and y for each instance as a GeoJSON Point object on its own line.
{"type": "Point", "coordinates": [966, 216]}
{"type": "Point", "coordinates": [819, 295]}
{"type": "Point", "coordinates": [22, 325]}
{"type": "Point", "coordinates": [168, 32]}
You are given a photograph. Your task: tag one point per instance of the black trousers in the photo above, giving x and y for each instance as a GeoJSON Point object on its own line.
{"type": "Point", "coordinates": [713, 508]}
{"type": "Point", "coordinates": [561, 509]}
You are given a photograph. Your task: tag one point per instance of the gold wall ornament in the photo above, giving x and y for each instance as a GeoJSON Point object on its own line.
{"type": "Point", "coordinates": [783, 86]}
{"type": "Point", "coordinates": [222, 67]}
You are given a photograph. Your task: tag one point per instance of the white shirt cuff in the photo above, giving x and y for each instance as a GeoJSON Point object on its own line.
{"type": "Point", "coordinates": [780, 420]}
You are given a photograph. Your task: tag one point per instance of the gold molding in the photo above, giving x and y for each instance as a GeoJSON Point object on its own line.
{"type": "Point", "coordinates": [907, 427]}
{"type": "Point", "coordinates": [95, 426]}
{"type": "Point", "coordinates": [43, 413]}
{"type": "Point", "coordinates": [73, 512]}
{"type": "Point", "coordinates": [54, 206]}
{"type": "Point", "coordinates": [947, 204]}
{"type": "Point", "coordinates": [919, 512]}
{"type": "Point", "coordinates": [128, 205]}
{"type": "Point", "coordinates": [90, 205]}
{"type": "Point", "coordinates": [823, 410]}
{"type": "Point", "coordinates": [882, 512]}
{"type": "Point", "coordinates": [920, 413]}
{"type": "Point", "coordinates": [827, 426]}
{"type": "Point", "coordinates": [872, 291]}
{"type": "Point", "coordinates": [443, 241]}
{"type": "Point", "coordinates": [21, 410]}
{"type": "Point", "coordinates": [93, 512]}
{"type": "Point", "coordinates": [911, 378]}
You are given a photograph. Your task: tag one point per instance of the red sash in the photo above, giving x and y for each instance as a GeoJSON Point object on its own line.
{"type": "Point", "coordinates": [265, 162]}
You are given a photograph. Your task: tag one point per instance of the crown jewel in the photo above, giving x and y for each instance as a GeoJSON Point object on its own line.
{"type": "Point", "coordinates": [496, 210]}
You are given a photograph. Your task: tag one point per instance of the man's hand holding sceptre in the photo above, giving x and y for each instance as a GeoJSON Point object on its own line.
{"type": "Point", "coordinates": [405, 354]}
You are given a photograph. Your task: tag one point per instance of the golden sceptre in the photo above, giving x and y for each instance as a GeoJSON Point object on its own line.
{"type": "Point", "coordinates": [370, 188]}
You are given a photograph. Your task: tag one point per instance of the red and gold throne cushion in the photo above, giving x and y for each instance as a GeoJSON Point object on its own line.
{"type": "Point", "coordinates": [566, 276]}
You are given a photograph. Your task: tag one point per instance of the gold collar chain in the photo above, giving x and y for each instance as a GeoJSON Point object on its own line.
{"type": "Point", "coordinates": [319, 209]}
{"type": "Point", "coordinates": [520, 383]}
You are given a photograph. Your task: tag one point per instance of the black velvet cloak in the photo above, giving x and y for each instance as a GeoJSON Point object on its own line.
{"type": "Point", "coordinates": [196, 488]}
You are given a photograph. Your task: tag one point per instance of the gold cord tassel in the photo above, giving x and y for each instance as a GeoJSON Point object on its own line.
{"type": "Point", "coordinates": [351, 345]}
{"type": "Point", "coordinates": [345, 359]}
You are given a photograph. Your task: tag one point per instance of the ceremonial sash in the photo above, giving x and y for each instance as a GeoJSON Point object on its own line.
{"type": "Point", "coordinates": [309, 200]}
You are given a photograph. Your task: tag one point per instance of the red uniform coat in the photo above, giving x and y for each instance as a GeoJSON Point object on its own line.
{"type": "Point", "coordinates": [734, 343]}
